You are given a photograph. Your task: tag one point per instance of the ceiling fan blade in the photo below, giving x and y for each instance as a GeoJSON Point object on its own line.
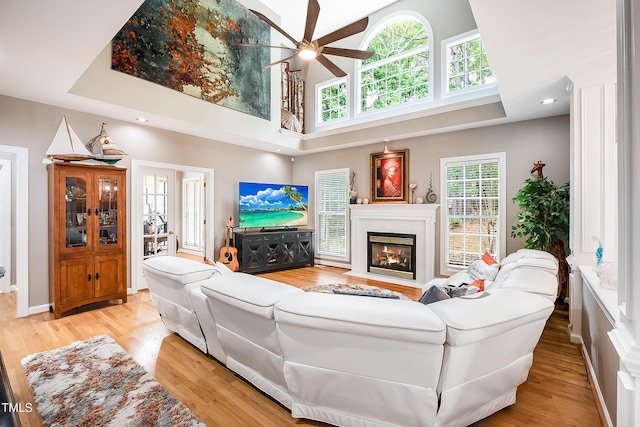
{"type": "Point", "coordinates": [313, 10]}
{"type": "Point", "coordinates": [282, 60]}
{"type": "Point", "coordinates": [330, 66]}
{"type": "Point", "coordinates": [274, 26]}
{"type": "Point", "coordinates": [266, 45]}
{"type": "Point", "coordinates": [348, 53]}
{"type": "Point", "coordinates": [349, 30]}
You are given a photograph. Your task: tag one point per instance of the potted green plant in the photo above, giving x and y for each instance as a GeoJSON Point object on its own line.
{"type": "Point", "coordinates": [544, 220]}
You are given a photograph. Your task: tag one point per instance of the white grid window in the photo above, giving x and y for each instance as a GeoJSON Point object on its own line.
{"type": "Point", "coordinates": [192, 202]}
{"type": "Point", "coordinates": [333, 101]}
{"type": "Point", "coordinates": [467, 63]}
{"type": "Point", "coordinates": [473, 189]}
{"type": "Point", "coordinates": [332, 198]}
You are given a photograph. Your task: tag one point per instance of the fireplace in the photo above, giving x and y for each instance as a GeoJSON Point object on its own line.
{"type": "Point", "coordinates": [392, 254]}
{"type": "Point", "coordinates": [413, 219]}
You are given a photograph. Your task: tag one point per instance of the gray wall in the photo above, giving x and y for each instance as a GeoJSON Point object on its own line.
{"type": "Point", "coordinates": [33, 125]}
{"type": "Point", "coordinates": [524, 143]}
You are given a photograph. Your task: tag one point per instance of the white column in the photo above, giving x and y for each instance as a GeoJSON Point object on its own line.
{"type": "Point", "coordinates": [626, 334]}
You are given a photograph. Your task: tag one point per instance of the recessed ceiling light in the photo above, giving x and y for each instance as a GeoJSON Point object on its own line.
{"type": "Point", "coordinates": [142, 120]}
{"type": "Point", "coordinates": [548, 101]}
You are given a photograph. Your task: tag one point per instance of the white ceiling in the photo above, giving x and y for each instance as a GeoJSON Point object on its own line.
{"type": "Point", "coordinates": [46, 47]}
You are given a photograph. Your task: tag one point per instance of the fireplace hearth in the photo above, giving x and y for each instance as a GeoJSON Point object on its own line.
{"type": "Point", "coordinates": [392, 254]}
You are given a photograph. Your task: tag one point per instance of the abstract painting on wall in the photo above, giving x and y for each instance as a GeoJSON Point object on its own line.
{"type": "Point", "coordinates": [194, 46]}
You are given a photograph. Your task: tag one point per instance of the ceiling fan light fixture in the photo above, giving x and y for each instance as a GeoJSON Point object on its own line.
{"type": "Point", "coordinates": [307, 53]}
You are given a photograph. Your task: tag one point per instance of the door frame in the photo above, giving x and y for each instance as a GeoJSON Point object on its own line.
{"type": "Point", "coordinates": [19, 156]}
{"type": "Point", "coordinates": [6, 209]}
{"type": "Point", "coordinates": [136, 229]}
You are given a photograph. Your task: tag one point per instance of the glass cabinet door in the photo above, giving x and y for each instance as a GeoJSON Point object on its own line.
{"type": "Point", "coordinates": [108, 211]}
{"type": "Point", "coordinates": [76, 211]}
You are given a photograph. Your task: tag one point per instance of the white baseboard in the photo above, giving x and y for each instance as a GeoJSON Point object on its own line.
{"type": "Point", "coordinates": [331, 263]}
{"type": "Point", "coordinates": [38, 309]}
{"type": "Point", "coordinates": [594, 381]}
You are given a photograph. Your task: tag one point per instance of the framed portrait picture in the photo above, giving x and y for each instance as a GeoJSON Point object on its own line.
{"type": "Point", "coordinates": [390, 177]}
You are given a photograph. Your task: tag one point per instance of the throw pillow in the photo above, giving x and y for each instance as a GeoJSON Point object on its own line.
{"type": "Point", "coordinates": [478, 284]}
{"type": "Point", "coordinates": [479, 269]}
{"type": "Point", "coordinates": [488, 259]}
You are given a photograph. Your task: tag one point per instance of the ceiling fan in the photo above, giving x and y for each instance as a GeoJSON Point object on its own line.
{"type": "Point", "coordinates": [309, 49]}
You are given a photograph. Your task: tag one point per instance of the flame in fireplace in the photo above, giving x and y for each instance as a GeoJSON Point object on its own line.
{"type": "Point", "coordinates": [393, 257]}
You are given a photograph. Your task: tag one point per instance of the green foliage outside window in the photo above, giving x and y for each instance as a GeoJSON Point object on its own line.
{"type": "Point", "coordinates": [333, 102]}
{"type": "Point", "coordinates": [468, 65]}
{"type": "Point", "coordinates": [399, 70]}
{"type": "Point", "coordinates": [473, 209]}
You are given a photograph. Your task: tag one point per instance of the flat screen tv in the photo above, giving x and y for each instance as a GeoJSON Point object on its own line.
{"type": "Point", "coordinates": [264, 205]}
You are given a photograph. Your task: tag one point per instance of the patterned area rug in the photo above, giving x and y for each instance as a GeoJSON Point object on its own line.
{"type": "Point", "coordinates": [349, 289]}
{"type": "Point", "coordinates": [96, 383]}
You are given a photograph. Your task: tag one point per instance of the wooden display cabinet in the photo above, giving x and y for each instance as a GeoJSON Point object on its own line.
{"type": "Point", "coordinates": [87, 235]}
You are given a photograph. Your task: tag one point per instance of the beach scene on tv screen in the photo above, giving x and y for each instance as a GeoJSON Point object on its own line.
{"type": "Point", "coordinates": [273, 205]}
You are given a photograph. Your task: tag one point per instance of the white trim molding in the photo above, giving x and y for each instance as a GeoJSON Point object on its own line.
{"type": "Point", "coordinates": [21, 157]}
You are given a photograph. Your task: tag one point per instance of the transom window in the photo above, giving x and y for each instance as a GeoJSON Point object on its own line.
{"type": "Point", "coordinates": [473, 189]}
{"type": "Point", "coordinates": [400, 71]}
{"type": "Point", "coordinates": [467, 63]}
{"type": "Point", "coordinates": [333, 101]}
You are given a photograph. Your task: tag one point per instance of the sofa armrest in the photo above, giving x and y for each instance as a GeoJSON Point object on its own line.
{"type": "Point", "coordinates": [486, 314]}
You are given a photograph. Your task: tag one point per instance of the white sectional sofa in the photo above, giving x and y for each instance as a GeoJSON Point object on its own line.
{"type": "Point", "coordinates": [363, 361]}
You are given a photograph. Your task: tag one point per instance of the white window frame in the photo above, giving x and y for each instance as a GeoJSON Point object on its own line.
{"type": "Point", "coordinates": [194, 185]}
{"type": "Point", "coordinates": [445, 162]}
{"type": "Point", "coordinates": [398, 16]}
{"type": "Point", "coordinates": [324, 85]}
{"type": "Point", "coordinates": [341, 210]}
{"type": "Point", "coordinates": [459, 39]}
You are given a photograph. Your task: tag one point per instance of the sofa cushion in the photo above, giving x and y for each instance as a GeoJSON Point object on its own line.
{"type": "Point", "coordinates": [483, 315]}
{"type": "Point", "coordinates": [381, 317]}
{"type": "Point", "coordinates": [244, 291]}
{"type": "Point", "coordinates": [529, 259]}
{"type": "Point", "coordinates": [537, 281]}
{"type": "Point", "coordinates": [180, 270]}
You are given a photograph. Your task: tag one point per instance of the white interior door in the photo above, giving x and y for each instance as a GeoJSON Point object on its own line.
{"type": "Point", "coordinates": [5, 224]}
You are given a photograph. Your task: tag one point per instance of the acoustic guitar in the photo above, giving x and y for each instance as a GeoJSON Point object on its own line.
{"type": "Point", "coordinates": [229, 254]}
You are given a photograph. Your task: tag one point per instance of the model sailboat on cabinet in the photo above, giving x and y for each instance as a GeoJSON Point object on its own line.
{"type": "Point", "coordinates": [66, 145]}
{"type": "Point", "coordinates": [104, 149]}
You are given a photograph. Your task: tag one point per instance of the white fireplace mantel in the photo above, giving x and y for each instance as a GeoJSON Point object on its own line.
{"type": "Point", "coordinates": [418, 219]}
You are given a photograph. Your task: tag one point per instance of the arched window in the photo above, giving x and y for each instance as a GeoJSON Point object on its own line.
{"type": "Point", "coordinates": [400, 71]}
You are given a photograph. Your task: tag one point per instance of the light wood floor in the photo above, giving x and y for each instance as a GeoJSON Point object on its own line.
{"type": "Point", "coordinates": [557, 392]}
